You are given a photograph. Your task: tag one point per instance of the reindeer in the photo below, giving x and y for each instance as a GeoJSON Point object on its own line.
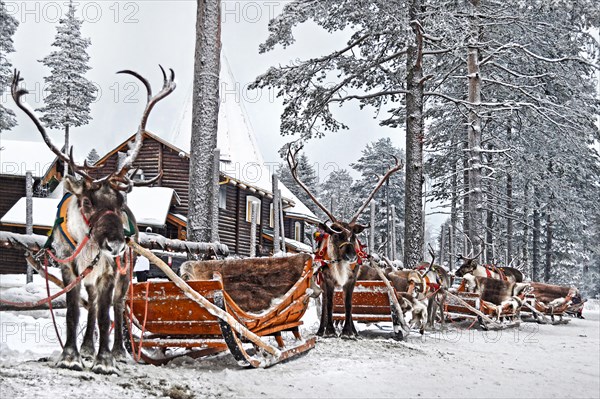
{"type": "Point", "coordinates": [470, 267]}
{"type": "Point", "coordinates": [339, 250]}
{"type": "Point", "coordinates": [436, 282]}
{"type": "Point", "coordinates": [93, 231]}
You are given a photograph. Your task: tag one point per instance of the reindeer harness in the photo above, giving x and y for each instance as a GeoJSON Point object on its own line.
{"type": "Point", "coordinates": [323, 260]}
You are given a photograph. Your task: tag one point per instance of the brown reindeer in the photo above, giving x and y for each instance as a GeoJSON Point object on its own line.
{"type": "Point", "coordinates": [93, 234]}
{"type": "Point", "coordinates": [470, 269]}
{"type": "Point", "coordinates": [338, 251]}
{"type": "Point", "coordinates": [436, 282]}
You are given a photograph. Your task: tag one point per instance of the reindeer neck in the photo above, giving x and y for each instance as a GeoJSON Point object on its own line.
{"type": "Point", "coordinates": [76, 222]}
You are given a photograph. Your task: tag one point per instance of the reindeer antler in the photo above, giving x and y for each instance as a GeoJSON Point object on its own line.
{"type": "Point", "coordinates": [399, 165]}
{"type": "Point", "coordinates": [17, 94]}
{"type": "Point", "coordinates": [119, 180]}
{"type": "Point", "coordinates": [293, 164]}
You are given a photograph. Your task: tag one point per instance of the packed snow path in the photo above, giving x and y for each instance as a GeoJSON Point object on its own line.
{"type": "Point", "coordinates": [533, 361]}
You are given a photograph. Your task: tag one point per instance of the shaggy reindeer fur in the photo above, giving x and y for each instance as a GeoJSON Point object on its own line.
{"type": "Point", "coordinates": [547, 293]}
{"type": "Point", "coordinates": [400, 279]}
{"type": "Point", "coordinates": [270, 278]}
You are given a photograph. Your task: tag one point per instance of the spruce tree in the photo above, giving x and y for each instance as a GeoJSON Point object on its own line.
{"type": "Point", "coordinates": [8, 26]}
{"type": "Point", "coordinates": [69, 92]}
{"type": "Point", "coordinates": [376, 159]}
{"type": "Point", "coordinates": [336, 193]}
{"type": "Point", "coordinates": [93, 156]}
{"type": "Point", "coordinates": [308, 176]}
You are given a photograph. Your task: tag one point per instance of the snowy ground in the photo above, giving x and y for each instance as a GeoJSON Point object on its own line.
{"type": "Point", "coordinates": [534, 361]}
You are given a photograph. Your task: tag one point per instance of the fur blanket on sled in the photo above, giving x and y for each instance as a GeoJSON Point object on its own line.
{"type": "Point", "coordinates": [252, 283]}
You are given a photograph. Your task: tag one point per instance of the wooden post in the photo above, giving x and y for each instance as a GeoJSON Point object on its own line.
{"type": "Point", "coordinates": [276, 226]}
{"type": "Point", "coordinates": [253, 218]}
{"type": "Point", "coordinates": [372, 229]}
{"type": "Point", "coordinates": [283, 249]}
{"type": "Point", "coordinates": [29, 215]}
{"type": "Point", "coordinates": [215, 197]}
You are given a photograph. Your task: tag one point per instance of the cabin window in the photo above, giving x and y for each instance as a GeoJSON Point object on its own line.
{"type": "Point", "coordinates": [249, 201]}
{"type": "Point", "coordinates": [298, 231]}
{"type": "Point", "coordinates": [223, 196]}
{"type": "Point", "coordinates": [271, 216]}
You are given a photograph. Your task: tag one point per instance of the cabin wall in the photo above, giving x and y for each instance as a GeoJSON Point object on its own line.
{"type": "Point", "coordinates": [13, 189]}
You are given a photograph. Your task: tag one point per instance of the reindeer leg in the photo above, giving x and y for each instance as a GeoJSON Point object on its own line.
{"type": "Point", "coordinates": [70, 357]}
{"type": "Point", "coordinates": [105, 362]}
{"type": "Point", "coordinates": [442, 306]}
{"type": "Point", "coordinates": [431, 309]}
{"type": "Point", "coordinates": [329, 328]}
{"type": "Point", "coordinates": [349, 330]}
{"type": "Point", "coordinates": [87, 347]}
{"type": "Point", "coordinates": [324, 308]}
{"type": "Point", "coordinates": [118, 349]}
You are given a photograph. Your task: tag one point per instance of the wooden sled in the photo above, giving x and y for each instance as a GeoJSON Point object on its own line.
{"type": "Point", "coordinates": [462, 306]}
{"type": "Point", "coordinates": [203, 319]}
{"type": "Point", "coordinates": [538, 305]}
{"type": "Point", "coordinates": [370, 304]}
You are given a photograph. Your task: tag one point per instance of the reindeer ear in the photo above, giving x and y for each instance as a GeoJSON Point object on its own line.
{"type": "Point", "coordinates": [357, 228]}
{"type": "Point", "coordinates": [73, 186]}
{"type": "Point", "coordinates": [325, 228]}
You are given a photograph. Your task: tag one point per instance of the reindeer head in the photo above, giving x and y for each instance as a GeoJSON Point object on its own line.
{"type": "Point", "coordinates": [469, 265]}
{"type": "Point", "coordinates": [341, 242]}
{"type": "Point", "coordinates": [100, 201]}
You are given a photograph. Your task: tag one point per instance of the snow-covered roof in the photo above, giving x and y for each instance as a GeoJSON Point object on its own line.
{"type": "Point", "coordinates": [17, 157]}
{"type": "Point", "coordinates": [44, 212]}
{"type": "Point", "coordinates": [150, 205]}
{"type": "Point", "coordinates": [240, 156]}
{"type": "Point", "coordinates": [295, 245]}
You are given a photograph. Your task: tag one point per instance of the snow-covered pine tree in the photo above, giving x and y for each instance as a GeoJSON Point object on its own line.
{"type": "Point", "coordinates": [336, 193]}
{"type": "Point", "coordinates": [92, 156]}
{"type": "Point", "coordinates": [537, 100]}
{"type": "Point", "coordinates": [308, 175]}
{"type": "Point", "coordinates": [380, 66]}
{"type": "Point", "coordinates": [376, 159]}
{"type": "Point", "coordinates": [205, 115]}
{"type": "Point", "coordinates": [69, 93]}
{"type": "Point", "coordinates": [8, 27]}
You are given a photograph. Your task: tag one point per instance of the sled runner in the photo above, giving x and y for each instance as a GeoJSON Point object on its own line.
{"type": "Point", "coordinates": [212, 315]}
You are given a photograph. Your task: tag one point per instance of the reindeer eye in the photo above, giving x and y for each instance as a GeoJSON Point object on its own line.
{"type": "Point", "coordinates": [86, 203]}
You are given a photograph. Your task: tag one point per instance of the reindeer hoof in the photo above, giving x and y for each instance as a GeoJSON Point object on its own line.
{"type": "Point", "coordinates": [70, 359]}
{"type": "Point", "coordinates": [88, 352]}
{"type": "Point", "coordinates": [105, 364]}
{"type": "Point", "coordinates": [120, 355]}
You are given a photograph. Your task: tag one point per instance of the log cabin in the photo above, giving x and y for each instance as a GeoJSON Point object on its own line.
{"type": "Point", "coordinates": [244, 178]}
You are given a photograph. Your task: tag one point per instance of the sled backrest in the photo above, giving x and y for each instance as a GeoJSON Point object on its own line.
{"type": "Point", "coordinates": [171, 312]}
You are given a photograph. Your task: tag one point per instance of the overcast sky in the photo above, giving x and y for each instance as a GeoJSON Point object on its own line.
{"type": "Point", "coordinates": [142, 34]}
{"type": "Point", "coordinates": [139, 35]}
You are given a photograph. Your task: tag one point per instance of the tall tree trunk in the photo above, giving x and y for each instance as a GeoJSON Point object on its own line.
{"type": "Point", "coordinates": [66, 150]}
{"type": "Point", "coordinates": [474, 132]}
{"type": "Point", "coordinates": [413, 216]}
{"type": "Point", "coordinates": [205, 115]}
{"type": "Point", "coordinates": [489, 223]}
{"type": "Point", "coordinates": [453, 216]}
{"type": "Point", "coordinates": [535, 264]}
{"type": "Point", "coordinates": [467, 248]}
{"type": "Point", "coordinates": [525, 241]}
{"type": "Point", "coordinates": [548, 265]}
{"type": "Point", "coordinates": [509, 210]}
